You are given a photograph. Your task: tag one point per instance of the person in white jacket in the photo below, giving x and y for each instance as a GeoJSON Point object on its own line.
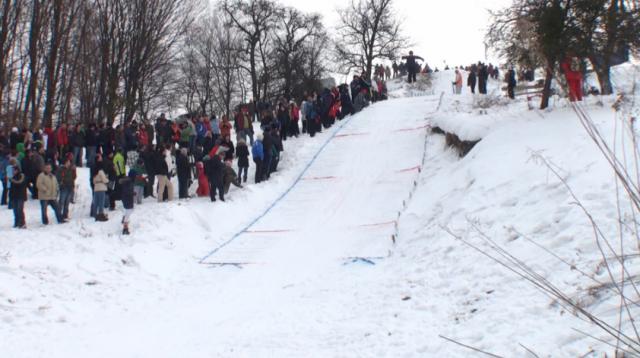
{"type": "Point", "coordinates": [458, 82]}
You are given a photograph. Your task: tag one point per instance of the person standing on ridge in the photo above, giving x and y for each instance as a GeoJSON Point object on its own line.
{"type": "Point", "coordinates": [412, 66]}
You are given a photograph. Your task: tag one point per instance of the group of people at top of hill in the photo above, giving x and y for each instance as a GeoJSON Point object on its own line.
{"type": "Point", "coordinates": [132, 161]}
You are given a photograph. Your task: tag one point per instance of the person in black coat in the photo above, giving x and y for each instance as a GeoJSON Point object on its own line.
{"type": "Point", "coordinates": [511, 83]}
{"type": "Point", "coordinates": [327, 103]}
{"type": "Point", "coordinates": [17, 197]}
{"type": "Point", "coordinates": [148, 158]}
{"type": "Point", "coordinates": [214, 169]}
{"type": "Point", "coordinates": [242, 152]}
{"type": "Point", "coordinates": [471, 81]}
{"type": "Point", "coordinates": [208, 143]}
{"type": "Point", "coordinates": [278, 148]}
{"type": "Point", "coordinates": [226, 142]}
{"type": "Point", "coordinates": [184, 173]}
{"type": "Point", "coordinates": [267, 145]}
{"type": "Point", "coordinates": [412, 65]}
{"type": "Point", "coordinates": [113, 188]}
{"type": "Point", "coordinates": [483, 77]}
{"type": "Point", "coordinates": [15, 138]}
{"type": "Point", "coordinates": [283, 120]}
{"type": "Point", "coordinates": [345, 101]}
{"type": "Point", "coordinates": [91, 144]}
{"type": "Point", "coordinates": [126, 184]}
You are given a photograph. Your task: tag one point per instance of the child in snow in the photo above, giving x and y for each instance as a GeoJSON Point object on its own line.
{"type": "Point", "coordinates": [230, 176]}
{"type": "Point", "coordinates": [242, 151]}
{"type": "Point", "coordinates": [127, 185]}
{"type": "Point", "coordinates": [140, 181]}
{"type": "Point", "coordinates": [203, 182]}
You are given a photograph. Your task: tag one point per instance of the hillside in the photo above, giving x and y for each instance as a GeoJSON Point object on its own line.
{"type": "Point", "coordinates": [306, 264]}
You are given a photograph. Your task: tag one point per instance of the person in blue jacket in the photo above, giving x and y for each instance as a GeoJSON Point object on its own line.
{"type": "Point", "coordinates": [257, 151]}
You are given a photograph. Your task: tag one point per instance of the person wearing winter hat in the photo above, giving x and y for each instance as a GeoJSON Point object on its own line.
{"type": "Point", "coordinates": [242, 152]}
{"type": "Point", "coordinates": [215, 173]}
{"type": "Point", "coordinates": [48, 190]}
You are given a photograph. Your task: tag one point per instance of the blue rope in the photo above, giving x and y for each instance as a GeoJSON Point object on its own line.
{"type": "Point", "coordinates": [279, 199]}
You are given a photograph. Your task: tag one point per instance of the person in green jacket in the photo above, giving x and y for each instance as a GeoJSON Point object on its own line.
{"type": "Point", "coordinates": [21, 151]}
{"type": "Point", "coordinates": [119, 164]}
{"type": "Point", "coordinates": [185, 135]}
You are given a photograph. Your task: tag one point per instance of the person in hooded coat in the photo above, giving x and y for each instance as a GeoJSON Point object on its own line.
{"type": "Point", "coordinates": [412, 65]}
{"type": "Point", "coordinates": [267, 146]}
{"type": "Point", "coordinates": [242, 152]}
{"type": "Point", "coordinates": [257, 152]}
{"type": "Point", "coordinates": [230, 177]}
{"type": "Point", "coordinates": [471, 80]}
{"type": "Point", "coordinates": [184, 173]}
{"type": "Point", "coordinates": [215, 173]}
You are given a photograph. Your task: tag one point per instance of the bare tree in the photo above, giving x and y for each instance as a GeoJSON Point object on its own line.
{"type": "Point", "coordinates": [254, 19]}
{"type": "Point", "coordinates": [369, 30]}
{"type": "Point", "coordinates": [294, 33]}
{"type": "Point", "coordinates": [63, 14]}
{"type": "Point", "coordinates": [38, 18]}
{"type": "Point", "coordinates": [11, 14]}
{"type": "Point", "coordinates": [154, 30]}
{"type": "Point", "coordinates": [226, 64]}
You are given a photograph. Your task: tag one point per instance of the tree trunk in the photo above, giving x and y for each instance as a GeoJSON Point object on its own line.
{"type": "Point", "coordinates": [254, 75]}
{"type": "Point", "coordinates": [546, 91]}
{"type": "Point", "coordinates": [603, 71]}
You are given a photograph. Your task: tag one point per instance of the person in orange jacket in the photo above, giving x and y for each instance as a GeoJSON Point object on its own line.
{"type": "Point", "coordinates": [225, 127]}
{"type": "Point", "coordinates": [571, 68]}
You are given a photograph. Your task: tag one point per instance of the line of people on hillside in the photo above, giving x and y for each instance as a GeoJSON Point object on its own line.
{"type": "Point", "coordinates": [136, 160]}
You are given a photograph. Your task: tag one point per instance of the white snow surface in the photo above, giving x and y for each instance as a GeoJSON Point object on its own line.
{"type": "Point", "coordinates": [305, 265]}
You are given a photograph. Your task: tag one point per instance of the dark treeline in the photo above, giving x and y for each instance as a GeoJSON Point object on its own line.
{"type": "Point", "coordinates": [547, 34]}
{"type": "Point", "coordinates": [114, 61]}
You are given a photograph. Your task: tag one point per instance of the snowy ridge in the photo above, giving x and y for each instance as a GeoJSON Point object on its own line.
{"type": "Point", "coordinates": [314, 276]}
{"type": "Point", "coordinates": [503, 190]}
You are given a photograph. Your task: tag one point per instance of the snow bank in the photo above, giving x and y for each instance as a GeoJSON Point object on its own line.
{"type": "Point", "coordinates": [320, 275]}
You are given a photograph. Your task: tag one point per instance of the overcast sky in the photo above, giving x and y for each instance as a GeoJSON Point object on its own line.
{"type": "Point", "coordinates": [443, 30]}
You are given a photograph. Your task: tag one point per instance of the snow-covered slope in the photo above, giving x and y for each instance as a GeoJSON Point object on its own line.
{"type": "Point", "coordinates": [304, 265]}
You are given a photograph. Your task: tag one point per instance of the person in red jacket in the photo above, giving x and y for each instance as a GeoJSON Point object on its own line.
{"type": "Point", "coordinates": [62, 139]}
{"type": "Point", "coordinates": [571, 68]}
{"type": "Point", "coordinates": [203, 181]}
{"type": "Point", "coordinates": [143, 137]}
